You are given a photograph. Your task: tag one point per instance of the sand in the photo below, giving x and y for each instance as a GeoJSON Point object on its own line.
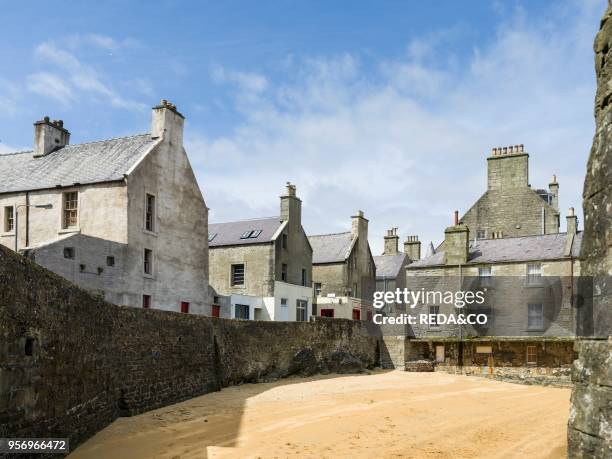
{"type": "Point", "coordinates": [383, 414]}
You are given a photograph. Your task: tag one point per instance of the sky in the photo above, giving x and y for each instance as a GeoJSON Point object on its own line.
{"type": "Point", "coordinates": [386, 107]}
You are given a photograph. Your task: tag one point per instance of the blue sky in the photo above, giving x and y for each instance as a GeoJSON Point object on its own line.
{"type": "Point", "coordinates": [388, 107]}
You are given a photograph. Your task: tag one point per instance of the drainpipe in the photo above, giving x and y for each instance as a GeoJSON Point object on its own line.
{"type": "Point", "coordinates": [27, 222]}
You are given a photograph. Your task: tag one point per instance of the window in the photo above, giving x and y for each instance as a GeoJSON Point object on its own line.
{"type": "Point", "coordinates": [481, 234]}
{"type": "Point", "coordinates": [150, 212]}
{"type": "Point", "coordinates": [355, 292]}
{"type": "Point", "coordinates": [146, 301]}
{"type": "Point", "coordinates": [251, 234]}
{"type": "Point", "coordinates": [284, 240]}
{"type": "Point", "coordinates": [215, 299]}
{"type": "Point", "coordinates": [318, 288]}
{"type": "Point", "coordinates": [69, 253]}
{"type": "Point", "coordinates": [284, 272]}
{"type": "Point", "coordinates": [433, 319]}
{"type": "Point", "coordinates": [211, 236]}
{"type": "Point", "coordinates": [242, 311]}
{"type": "Point", "coordinates": [534, 274]}
{"type": "Point", "coordinates": [110, 261]}
{"type": "Point", "coordinates": [356, 314]}
{"type": "Point", "coordinates": [237, 274]}
{"type": "Point", "coordinates": [304, 277]}
{"type": "Point", "coordinates": [300, 310]}
{"type": "Point", "coordinates": [216, 310]}
{"type": "Point", "coordinates": [532, 355]}
{"type": "Point", "coordinates": [9, 219]}
{"type": "Point", "coordinates": [71, 205]}
{"type": "Point", "coordinates": [535, 316]}
{"type": "Point", "coordinates": [148, 261]}
{"type": "Point", "coordinates": [484, 275]}
{"type": "Point", "coordinates": [184, 307]}
{"type": "Point", "coordinates": [327, 313]}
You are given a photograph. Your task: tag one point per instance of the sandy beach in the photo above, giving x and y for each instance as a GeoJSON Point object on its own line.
{"type": "Point", "coordinates": [382, 414]}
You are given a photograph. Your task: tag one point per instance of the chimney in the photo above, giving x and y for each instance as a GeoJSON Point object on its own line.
{"type": "Point", "coordinates": [291, 207]}
{"type": "Point", "coordinates": [391, 242]}
{"type": "Point", "coordinates": [412, 248]}
{"type": "Point", "coordinates": [456, 243]}
{"type": "Point", "coordinates": [508, 167]}
{"type": "Point", "coordinates": [553, 188]}
{"type": "Point", "coordinates": [167, 123]}
{"type": "Point", "coordinates": [360, 226]}
{"type": "Point", "coordinates": [49, 136]}
{"type": "Point", "coordinates": [572, 222]}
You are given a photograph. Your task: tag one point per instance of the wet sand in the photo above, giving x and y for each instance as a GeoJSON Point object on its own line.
{"type": "Point", "coordinates": [383, 414]}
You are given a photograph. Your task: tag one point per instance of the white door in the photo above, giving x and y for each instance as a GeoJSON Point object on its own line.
{"type": "Point", "coordinates": [284, 311]}
{"type": "Point", "coordinates": [439, 353]}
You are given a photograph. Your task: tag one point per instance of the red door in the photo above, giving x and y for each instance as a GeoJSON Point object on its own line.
{"type": "Point", "coordinates": [327, 313]}
{"type": "Point", "coordinates": [185, 307]}
{"type": "Point", "coordinates": [356, 314]}
{"type": "Point", "coordinates": [216, 310]}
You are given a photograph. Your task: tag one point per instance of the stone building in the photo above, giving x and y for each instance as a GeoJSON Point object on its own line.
{"type": "Point", "coordinates": [390, 266]}
{"type": "Point", "coordinates": [529, 288]}
{"type": "Point", "coordinates": [123, 217]}
{"type": "Point", "coordinates": [344, 272]}
{"type": "Point", "coordinates": [510, 207]}
{"type": "Point", "coordinates": [263, 265]}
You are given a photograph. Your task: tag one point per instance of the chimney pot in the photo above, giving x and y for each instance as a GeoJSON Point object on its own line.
{"type": "Point", "coordinates": [456, 217]}
{"type": "Point", "coordinates": [510, 149]}
{"type": "Point", "coordinates": [505, 150]}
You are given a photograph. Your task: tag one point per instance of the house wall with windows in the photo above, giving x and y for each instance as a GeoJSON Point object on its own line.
{"type": "Point", "coordinates": [343, 267]}
{"type": "Point", "coordinates": [98, 193]}
{"type": "Point", "coordinates": [266, 260]}
{"type": "Point", "coordinates": [510, 207]}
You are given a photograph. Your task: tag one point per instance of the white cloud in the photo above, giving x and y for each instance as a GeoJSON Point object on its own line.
{"type": "Point", "coordinates": [79, 78]}
{"type": "Point", "coordinates": [49, 85]}
{"type": "Point", "coordinates": [407, 143]}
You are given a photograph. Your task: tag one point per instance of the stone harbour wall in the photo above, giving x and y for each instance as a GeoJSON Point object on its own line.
{"type": "Point", "coordinates": [70, 363]}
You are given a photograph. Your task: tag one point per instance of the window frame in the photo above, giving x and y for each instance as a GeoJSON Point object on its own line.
{"type": "Point", "coordinates": [304, 277]}
{"type": "Point", "coordinates": [319, 289]}
{"type": "Point", "coordinates": [233, 282]}
{"type": "Point", "coordinates": [533, 354]}
{"type": "Point", "coordinates": [153, 228]}
{"type": "Point", "coordinates": [247, 309]}
{"type": "Point", "coordinates": [532, 279]}
{"type": "Point", "coordinates": [301, 306]}
{"type": "Point", "coordinates": [485, 279]}
{"type": "Point", "coordinates": [150, 263]}
{"type": "Point", "coordinates": [147, 301]}
{"type": "Point", "coordinates": [435, 325]}
{"type": "Point", "coordinates": [284, 272]}
{"type": "Point", "coordinates": [66, 222]}
{"type": "Point", "coordinates": [540, 316]}
{"type": "Point", "coordinates": [6, 219]}
{"type": "Point", "coordinates": [284, 240]}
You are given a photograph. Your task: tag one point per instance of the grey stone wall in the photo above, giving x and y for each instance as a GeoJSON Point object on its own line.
{"type": "Point", "coordinates": [71, 363]}
{"type": "Point", "coordinates": [590, 424]}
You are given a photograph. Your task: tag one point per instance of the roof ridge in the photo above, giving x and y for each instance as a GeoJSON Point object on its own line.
{"type": "Point", "coordinates": [246, 220]}
{"type": "Point", "coordinates": [329, 234]}
{"type": "Point", "coordinates": [523, 237]}
{"type": "Point", "coordinates": [11, 153]}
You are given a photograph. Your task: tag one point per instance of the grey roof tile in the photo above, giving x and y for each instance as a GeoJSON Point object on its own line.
{"type": "Point", "coordinates": [388, 266]}
{"type": "Point", "coordinates": [525, 248]}
{"type": "Point", "coordinates": [93, 162]}
{"type": "Point", "coordinates": [331, 248]}
{"type": "Point", "coordinates": [230, 233]}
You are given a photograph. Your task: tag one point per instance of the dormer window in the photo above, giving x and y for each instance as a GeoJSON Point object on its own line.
{"type": "Point", "coordinates": [251, 234]}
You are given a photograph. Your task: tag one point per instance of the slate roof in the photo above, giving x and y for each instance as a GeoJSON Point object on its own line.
{"type": "Point", "coordinates": [331, 248]}
{"type": "Point", "coordinates": [388, 266]}
{"type": "Point", "coordinates": [93, 162]}
{"type": "Point", "coordinates": [229, 233]}
{"type": "Point", "coordinates": [524, 248]}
